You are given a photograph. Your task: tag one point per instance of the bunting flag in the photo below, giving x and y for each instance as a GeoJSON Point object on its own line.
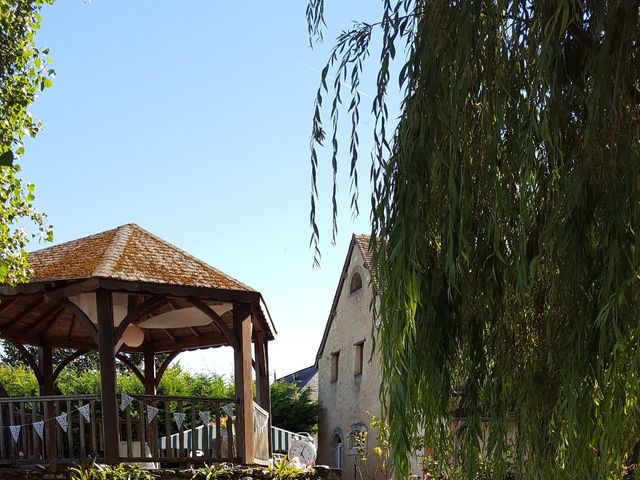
{"type": "Point", "coordinates": [178, 417]}
{"type": "Point", "coordinates": [39, 428]}
{"type": "Point", "coordinates": [125, 401]}
{"type": "Point", "coordinates": [62, 421]}
{"type": "Point", "coordinates": [205, 416]}
{"type": "Point", "coordinates": [15, 432]}
{"type": "Point", "coordinates": [228, 409]}
{"type": "Point", "coordinates": [151, 413]}
{"type": "Point", "coordinates": [85, 411]}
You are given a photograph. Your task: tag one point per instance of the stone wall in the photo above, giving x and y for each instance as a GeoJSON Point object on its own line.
{"type": "Point", "coordinates": [238, 473]}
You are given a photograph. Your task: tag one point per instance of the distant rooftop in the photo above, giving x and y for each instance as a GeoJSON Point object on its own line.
{"type": "Point", "coordinates": [301, 378]}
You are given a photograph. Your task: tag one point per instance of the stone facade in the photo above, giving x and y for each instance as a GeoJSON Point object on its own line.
{"type": "Point", "coordinates": [348, 376]}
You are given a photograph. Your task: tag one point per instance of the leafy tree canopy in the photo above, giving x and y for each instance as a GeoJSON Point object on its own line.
{"type": "Point", "coordinates": [19, 381]}
{"type": "Point", "coordinates": [505, 227]}
{"type": "Point", "coordinates": [24, 71]}
{"type": "Point", "coordinates": [293, 409]}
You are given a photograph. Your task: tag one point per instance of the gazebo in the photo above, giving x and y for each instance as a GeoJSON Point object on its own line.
{"type": "Point", "coordinates": [128, 291]}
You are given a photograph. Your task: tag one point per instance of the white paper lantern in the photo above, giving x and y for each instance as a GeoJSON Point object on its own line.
{"type": "Point", "coordinates": [133, 336]}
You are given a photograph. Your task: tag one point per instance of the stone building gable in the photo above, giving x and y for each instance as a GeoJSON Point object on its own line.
{"type": "Point", "coordinates": [348, 375]}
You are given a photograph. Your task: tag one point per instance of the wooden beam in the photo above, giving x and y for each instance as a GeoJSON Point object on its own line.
{"type": "Point", "coordinates": [30, 308]}
{"type": "Point", "coordinates": [168, 334]}
{"type": "Point", "coordinates": [130, 365]}
{"type": "Point", "coordinates": [69, 290]}
{"type": "Point", "coordinates": [34, 329]}
{"type": "Point", "coordinates": [216, 319]}
{"type": "Point", "coordinates": [71, 327]}
{"type": "Point", "coordinates": [149, 371]}
{"type": "Point", "coordinates": [27, 357]}
{"type": "Point", "coordinates": [165, 365]}
{"type": "Point", "coordinates": [194, 331]}
{"type": "Point", "coordinates": [19, 338]}
{"type": "Point", "coordinates": [6, 303]}
{"type": "Point", "coordinates": [243, 382]}
{"type": "Point", "coordinates": [106, 346]}
{"type": "Point", "coordinates": [263, 392]}
{"type": "Point", "coordinates": [82, 317]}
{"type": "Point", "coordinates": [66, 361]}
{"type": "Point", "coordinates": [45, 363]}
{"type": "Point", "coordinates": [219, 294]}
{"type": "Point", "coordinates": [262, 372]}
{"type": "Point", "coordinates": [188, 344]}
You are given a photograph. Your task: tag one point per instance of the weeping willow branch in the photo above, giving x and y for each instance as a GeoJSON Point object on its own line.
{"type": "Point", "coordinates": [505, 212]}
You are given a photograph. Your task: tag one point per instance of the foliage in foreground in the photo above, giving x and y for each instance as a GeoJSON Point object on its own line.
{"type": "Point", "coordinates": [293, 409]}
{"type": "Point", "coordinates": [279, 470]}
{"type": "Point", "coordinates": [24, 71]}
{"type": "Point", "coordinates": [505, 238]}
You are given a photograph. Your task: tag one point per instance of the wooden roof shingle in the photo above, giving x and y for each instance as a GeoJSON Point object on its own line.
{"type": "Point", "coordinates": [128, 253]}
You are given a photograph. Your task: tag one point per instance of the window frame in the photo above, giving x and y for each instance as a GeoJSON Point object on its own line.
{"type": "Point", "coordinates": [358, 366]}
{"type": "Point", "coordinates": [335, 366]}
{"type": "Point", "coordinates": [352, 290]}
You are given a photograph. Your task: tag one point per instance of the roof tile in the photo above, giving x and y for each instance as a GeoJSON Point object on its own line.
{"type": "Point", "coordinates": [127, 253]}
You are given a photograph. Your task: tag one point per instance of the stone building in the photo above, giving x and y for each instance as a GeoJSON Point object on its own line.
{"type": "Point", "coordinates": [348, 377]}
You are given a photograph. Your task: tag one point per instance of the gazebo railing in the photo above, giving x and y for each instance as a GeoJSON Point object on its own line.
{"type": "Point", "coordinates": [182, 429]}
{"type": "Point", "coordinates": [156, 429]}
{"type": "Point", "coordinates": [49, 428]}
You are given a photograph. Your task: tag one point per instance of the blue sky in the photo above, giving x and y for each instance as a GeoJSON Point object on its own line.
{"type": "Point", "coordinates": [192, 119]}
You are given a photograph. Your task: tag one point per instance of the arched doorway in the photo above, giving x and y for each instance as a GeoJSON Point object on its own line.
{"type": "Point", "coordinates": [336, 448]}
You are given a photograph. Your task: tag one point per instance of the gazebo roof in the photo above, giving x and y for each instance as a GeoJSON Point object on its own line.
{"type": "Point", "coordinates": [127, 253]}
{"type": "Point", "coordinates": [58, 304]}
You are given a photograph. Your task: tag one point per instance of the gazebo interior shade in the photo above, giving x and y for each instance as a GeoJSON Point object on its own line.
{"type": "Point", "coordinates": [184, 317]}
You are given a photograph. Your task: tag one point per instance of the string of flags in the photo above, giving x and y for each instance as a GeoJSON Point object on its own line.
{"type": "Point", "coordinates": [62, 420]}
{"type": "Point", "coordinates": [125, 402]}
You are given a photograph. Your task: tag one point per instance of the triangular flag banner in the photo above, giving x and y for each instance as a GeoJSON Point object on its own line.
{"type": "Point", "coordinates": [205, 416]}
{"type": "Point", "coordinates": [39, 428]}
{"type": "Point", "coordinates": [125, 401]}
{"type": "Point", "coordinates": [15, 432]}
{"type": "Point", "coordinates": [84, 410]}
{"type": "Point", "coordinates": [62, 421]}
{"type": "Point", "coordinates": [228, 409]}
{"type": "Point", "coordinates": [179, 419]}
{"type": "Point", "coordinates": [151, 413]}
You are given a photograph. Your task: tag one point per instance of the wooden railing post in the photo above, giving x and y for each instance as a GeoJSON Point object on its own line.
{"type": "Point", "coordinates": [150, 389]}
{"type": "Point", "coordinates": [108, 375]}
{"type": "Point", "coordinates": [45, 362]}
{"type": "Point", "coordinates": [263, 394]}
{"type": "Point", "coordinates": [243, 382]}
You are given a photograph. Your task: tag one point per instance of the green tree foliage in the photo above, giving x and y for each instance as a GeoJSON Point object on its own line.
{"type": "Point", "coordinates": [293, 409]}
{"type": "Point", "coordinates": [10, 355]}
{"type": "Point", "coordinates": [19, 381]}
{"type": "Point", "coordinates": [505, 217]}
{"type": "Point", "coordinates": [24, 71]}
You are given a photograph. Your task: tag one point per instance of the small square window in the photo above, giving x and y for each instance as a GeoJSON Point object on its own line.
{"type": "Point", "coordinates": [359, 358]}
{"type": "Point", "coordinates": [335, 357]}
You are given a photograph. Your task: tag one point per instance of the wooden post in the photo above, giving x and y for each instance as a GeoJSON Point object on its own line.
{"type": "Point", "coordinates": [263, 394]}
{"type": "Point", "coordinates": [243, 382]}
{"type": "Point", "coordinates": [106, 349]}
{"type": "Point", "coordinates": [149, 370]}
{"type": "Point", "coordinates": [150, 389]}
{"type": "Point", "coordinates": [45, 362]}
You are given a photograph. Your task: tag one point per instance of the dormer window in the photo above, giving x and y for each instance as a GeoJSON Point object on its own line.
{"type": "Point", "coordinates": [356, 283]}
